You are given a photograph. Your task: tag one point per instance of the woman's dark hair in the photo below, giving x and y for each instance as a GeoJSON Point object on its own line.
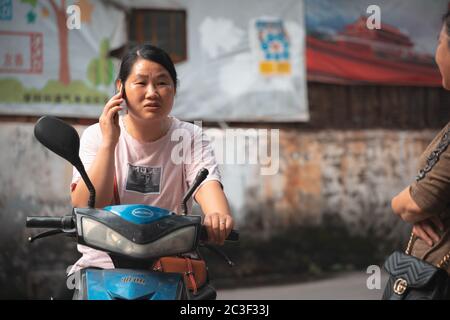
{"type": "Point", "coordinates": [147, 52]}
{"type": "Point", "coordinates": [446, 21]}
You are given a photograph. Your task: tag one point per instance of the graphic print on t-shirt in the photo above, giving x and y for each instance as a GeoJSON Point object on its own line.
{"type": "Point", "coordinates": [144, 179]}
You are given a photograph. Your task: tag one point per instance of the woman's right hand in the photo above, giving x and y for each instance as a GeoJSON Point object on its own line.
{"type": "Point", "coordinates": [109, 121]}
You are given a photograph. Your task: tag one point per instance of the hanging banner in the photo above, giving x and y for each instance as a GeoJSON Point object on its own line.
{"type": "Point", "coordinates": [361, 41]}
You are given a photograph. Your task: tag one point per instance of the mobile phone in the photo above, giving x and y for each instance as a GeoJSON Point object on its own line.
{"type": "Point", "coordinates": [124, 103]}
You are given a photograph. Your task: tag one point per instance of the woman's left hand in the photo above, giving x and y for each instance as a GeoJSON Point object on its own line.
{"type": "Point", "coordinates": [426, 230]}
{"type": "Point", "coordinates": [219, 226]}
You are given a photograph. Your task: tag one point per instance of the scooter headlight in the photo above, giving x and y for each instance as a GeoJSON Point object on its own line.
{"type": "Point", "coordinates": [97, 234]}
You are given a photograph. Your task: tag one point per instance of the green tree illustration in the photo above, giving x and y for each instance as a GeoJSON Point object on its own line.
{"type": "Point", "coordinates": [63, 34]}
{"type": "Point", "coordinates": [101, 70]}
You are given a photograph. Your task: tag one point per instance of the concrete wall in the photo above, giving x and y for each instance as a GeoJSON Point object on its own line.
{"type": "Point", "coordinates": [349, 173]}
{"type": "Point", "coordinates": [352, 174]}
{"type": "Point", "coordinates": [34, 181]}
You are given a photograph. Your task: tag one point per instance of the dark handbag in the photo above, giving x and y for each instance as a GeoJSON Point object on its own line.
{"type": "Point", "coordinates": [411, 278]}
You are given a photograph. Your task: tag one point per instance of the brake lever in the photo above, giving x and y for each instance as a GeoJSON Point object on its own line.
{"type": "Point", "coordinates": [49, 233]}
{"type": "Point", "coordinates": [219, 253]}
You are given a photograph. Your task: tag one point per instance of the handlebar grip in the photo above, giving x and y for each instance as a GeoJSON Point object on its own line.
{"type": "Point", "coordinates": [50, 222]}
{"type": "Point", "coordinates": [233, 236]}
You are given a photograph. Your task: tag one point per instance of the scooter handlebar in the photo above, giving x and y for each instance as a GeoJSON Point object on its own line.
{"type": "Point", "coordinates": [65, 222]}
{"type": "Point", "coordinates": [233, 236]}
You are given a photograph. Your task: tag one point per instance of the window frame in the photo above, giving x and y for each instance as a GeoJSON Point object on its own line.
{"type": "Point", "coordinates": [138, 15]}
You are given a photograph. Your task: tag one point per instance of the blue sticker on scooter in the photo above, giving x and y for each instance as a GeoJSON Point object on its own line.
{"type": "Point", "coordinates": [139, 213]}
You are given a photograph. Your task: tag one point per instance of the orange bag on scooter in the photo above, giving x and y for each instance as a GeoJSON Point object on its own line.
{"type": "Point", "coordinates": [194, 271]}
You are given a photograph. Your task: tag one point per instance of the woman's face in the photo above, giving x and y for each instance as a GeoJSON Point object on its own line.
{"type": "Point", "coordinates": [150, 90]}
{"type": "Point", "coordinates": [443, 57]}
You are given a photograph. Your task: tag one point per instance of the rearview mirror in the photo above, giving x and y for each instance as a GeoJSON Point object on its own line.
{"type": "Point", "coordinates": [61, 138]}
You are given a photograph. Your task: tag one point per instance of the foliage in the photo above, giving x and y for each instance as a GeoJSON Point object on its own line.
{"type": "Point", "coordinates": [101, 70]}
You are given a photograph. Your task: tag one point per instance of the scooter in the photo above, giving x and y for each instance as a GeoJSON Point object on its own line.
{"type": "Point", "coordinates": [135, 236]}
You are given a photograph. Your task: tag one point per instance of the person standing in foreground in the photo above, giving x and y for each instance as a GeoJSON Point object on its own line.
{"type": "Point", "coordinates": [426, 202]}
{"type": "Point", "coordinates": [129, 158]}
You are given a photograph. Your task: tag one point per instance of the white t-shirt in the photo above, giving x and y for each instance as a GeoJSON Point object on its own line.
{"type": "Point", "coordinates": [155, 173]}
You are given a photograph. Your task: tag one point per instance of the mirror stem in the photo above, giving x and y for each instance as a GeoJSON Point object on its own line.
{"type": "Point", "coordinates": [89, 185]}
{"type": "Point", "coordinates": [201, 176]}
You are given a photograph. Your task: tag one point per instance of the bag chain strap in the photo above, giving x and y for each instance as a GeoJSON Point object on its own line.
{"type": "Point", "coordinates": [432, 159]}
{"type": "Point", "coordinates": [442, 264]}
{"type": "Point", "coordinates": [411, 241]}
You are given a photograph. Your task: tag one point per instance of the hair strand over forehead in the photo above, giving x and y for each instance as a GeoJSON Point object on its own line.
{"type": "Point", "coordinates": [446, 21]}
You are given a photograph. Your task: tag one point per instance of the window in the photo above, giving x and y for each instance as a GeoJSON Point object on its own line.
{"type": "Point", "coordinates": [162, 28]}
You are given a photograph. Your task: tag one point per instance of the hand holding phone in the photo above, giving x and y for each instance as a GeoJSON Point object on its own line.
{"type": "Point", "coordinates": [109, 119]}
{"type": "Point", "coordinates": [124, 103]}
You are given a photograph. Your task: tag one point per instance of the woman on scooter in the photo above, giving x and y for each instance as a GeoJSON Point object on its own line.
{"type": "Point", "coordinates": [135, 158]}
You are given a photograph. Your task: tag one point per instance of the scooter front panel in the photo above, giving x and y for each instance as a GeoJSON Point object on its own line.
{"type": "Point", "coordinates": [127, 284]}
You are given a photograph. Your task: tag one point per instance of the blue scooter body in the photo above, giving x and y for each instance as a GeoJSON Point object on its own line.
{"type": "Point", "coordinates": [138, 213]}
{"type": "Point", "coordinates": [130, 284]}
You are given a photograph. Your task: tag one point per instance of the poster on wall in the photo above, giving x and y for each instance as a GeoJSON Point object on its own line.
{"type": "Point", "coordinates": [51, 65]}
{"type": "Point", "coordinates": [244, 61]}
{"type": "Point", "coordinates": [392, 42]}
